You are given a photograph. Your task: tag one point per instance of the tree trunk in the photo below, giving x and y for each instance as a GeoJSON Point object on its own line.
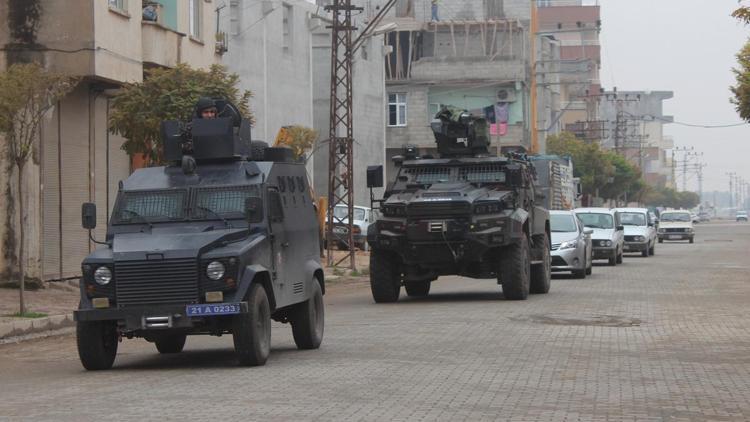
{"type": "Point", "coordinates": [21, 230]}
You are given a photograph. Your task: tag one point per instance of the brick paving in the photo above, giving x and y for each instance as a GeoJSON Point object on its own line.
{"type": "Point", "coordinates": [661, 338]}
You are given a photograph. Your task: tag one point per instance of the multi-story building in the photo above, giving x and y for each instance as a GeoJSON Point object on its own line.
{"type": "Point", "coordinates": [576, 25]}
{"type": "Point", "coordinates": [634, 127]}
{"type": "Point", "coordinates": [474, 55]}
{"type": "Point", "coordinates": [282, 52]}
{"type": "Point", "coordinates": [107, 44]}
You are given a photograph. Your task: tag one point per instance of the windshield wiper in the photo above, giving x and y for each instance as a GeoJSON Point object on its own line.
{"type": "Point", "coordinates": [226, 223]}
{"type": "Point", "coordinates": [133, 213]}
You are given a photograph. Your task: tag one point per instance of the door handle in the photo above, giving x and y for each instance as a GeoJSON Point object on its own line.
{"type": "Point", "coordinates": [285, 245]}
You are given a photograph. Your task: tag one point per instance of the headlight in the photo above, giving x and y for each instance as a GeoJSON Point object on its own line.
{"type": "Point", "coordinates": [606, 243]}
{"type": "Point", "coordinates": [394, 210]}
{"type": "Point", "coordinates": [640, 239]}
{"type": "Point", "coordinates": [102, 276]}
{"type": "Point", "coordinates": [486, 224]}
{"type": "Point", "coordinates": [215, 270]}
{"type": "Point", "coordinates": [570, 244]}
{"type": "Point", "coordinates": [488, 208]}
{"type": "Point", "coordinates": [690, 230]}
{"type": "Point", "coordinates": [662, 230]}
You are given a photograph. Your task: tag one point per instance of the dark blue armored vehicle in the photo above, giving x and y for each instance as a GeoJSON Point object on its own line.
{"type": "Point", "coordinates": [465, 213]}
{"type": "Point", "coordinates": [220, 241]}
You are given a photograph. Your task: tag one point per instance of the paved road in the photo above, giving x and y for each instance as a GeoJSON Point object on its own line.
{"type": "Point", "coordinates": [662, 338]}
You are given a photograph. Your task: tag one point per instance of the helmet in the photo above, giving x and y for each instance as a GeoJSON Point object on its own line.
{"type": "Point", "coordinates": [202, 104]}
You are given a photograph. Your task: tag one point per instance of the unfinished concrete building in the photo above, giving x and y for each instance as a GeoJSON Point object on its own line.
{"type": "Point", "coordinates": [475, 55]}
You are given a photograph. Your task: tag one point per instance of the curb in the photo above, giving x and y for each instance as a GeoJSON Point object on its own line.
{"type": "Point", "coordinates": [24, 327]}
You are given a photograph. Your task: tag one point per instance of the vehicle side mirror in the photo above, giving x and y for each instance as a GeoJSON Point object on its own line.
{"type": "Point", "coordinates": [620, 228]}
{"type": "Point", "coordinates": [375, 176]}
{"type": "Point", "coordinates": [588, 232]}
{"type": "Point", "coordinates": [651, 224]}
{"type": "Point", "coordinates": [254, 210]}
{"type": "Point", "coordinates": [88, 216]}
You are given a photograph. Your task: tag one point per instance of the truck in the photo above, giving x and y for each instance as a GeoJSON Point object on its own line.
{"type": "Point", "coordinates": [464, 213]}
{"type": "Point", "coordinates": [561, 190]}
{"type": "Point", "coordinates": [215, 242]}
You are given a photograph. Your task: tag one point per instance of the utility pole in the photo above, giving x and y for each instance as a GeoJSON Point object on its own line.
{"type": "Point", "coordinates": [731, 191]}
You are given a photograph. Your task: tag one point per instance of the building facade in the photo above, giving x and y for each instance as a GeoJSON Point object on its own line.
{"type": "Point", "coordinates": [107, 44]}
{"type": "Point", "coordinates": [475, 55]}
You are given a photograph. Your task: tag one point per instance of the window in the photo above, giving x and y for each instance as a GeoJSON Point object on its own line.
{"type": "Point", "coordinates": [275, 207]}
{"type": "Point", "coordinates": [597, 220]}
{"type": "Point", "coordinates": [562, 223]}
{"type": "Point", "coordinates": [287, 26]}
{"type": "Point", "coordinates": [150, 206]}
{"type": "Point", "coordinates": [633, 219]}
{"type": "Point", "coordinates": [119, 4]}
{"type": "Point", "coordinates": [228, 202]}
{"type": "Point", "coordinates": [397, 109]}
{"type": "Point", "coordinates": [194, 12]}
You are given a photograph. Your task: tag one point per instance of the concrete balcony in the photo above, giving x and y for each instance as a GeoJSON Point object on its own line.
{"type": "Point", "coordinates": [466, 69]}
{"type": "Point", "coordinates": [161, 45]}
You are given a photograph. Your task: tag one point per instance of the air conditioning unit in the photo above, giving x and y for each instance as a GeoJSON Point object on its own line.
{"type": "Point", "coordinates": [506, 95]}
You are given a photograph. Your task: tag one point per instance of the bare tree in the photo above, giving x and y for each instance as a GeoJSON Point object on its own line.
{"type": "Point", "coordinates": [27, 93]}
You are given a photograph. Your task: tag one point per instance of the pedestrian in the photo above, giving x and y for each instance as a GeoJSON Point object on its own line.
{"type": "Point", "coordinates": [435, 17]}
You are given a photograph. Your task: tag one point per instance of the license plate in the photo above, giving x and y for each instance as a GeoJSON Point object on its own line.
{"type": "Point", "coordinates": [209, 310]}
{"type": "Point", "coordinates": [675, 236]}
{"type": "Point", "coordinates": [340, 230]}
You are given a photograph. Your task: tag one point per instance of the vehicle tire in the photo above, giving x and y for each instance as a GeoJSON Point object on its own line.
{"type": "Point", "coordinates": [97, 344]}
{"type": "Point", "coordinates": [173, 343]}
{"type": "Point", "coordinates": [417, 288]}
{"type": "Point", "coordinates": [308, 320]}
{"type": "Point", "coordinates": [613, 260]}
{"type": "Point", "coordinates": [252, 331]}
{"type": "Point", "coordinates": [661, 240]}
{"type": "Point", "coordinates": [691, 240]}
{"type": "Point", "coordinates": [652, 250]}
{"type": "Point", "coordinates": [385, 276]}
{"type": "Point", "coordinates": [541, 275]}
{"type": "Point", "coordinates": [619, 258]}
{"type": "Point", "coordinates": [580, 274]}
{"type": "Point", "coordinates": [590, 268]}
{"type": "Point", "coordinates": [515, 268]}
{"type": "Point", "coordinates": [645, 253]}
{"type": "Point", "coordinates": [258, 150]}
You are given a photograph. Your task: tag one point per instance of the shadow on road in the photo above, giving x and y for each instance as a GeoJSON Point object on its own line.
{"type": "Point", "coordinates": [455, 297]}
{"type": "Point", "coordinates": [194, 359]}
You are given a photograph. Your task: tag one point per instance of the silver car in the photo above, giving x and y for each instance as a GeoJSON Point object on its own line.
{"type": "Point", "coordinates": [609, 234]}
{"type": "Point", "coordinates": [571, 244]}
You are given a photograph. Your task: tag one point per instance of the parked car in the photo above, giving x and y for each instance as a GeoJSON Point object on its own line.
{"type": "Point", "coordinates": [608, 238]}
{"type": "Point", "coordinates": [363, 216]}
{"type": "Point", "coordinates": [694, 218]}
{"type": "Point", "coordinates": [676, 225]}
{"type": "Point", "coordinates": [640, 231]}
{"type": "Point", "coordinates": [571, 244]}
{"type": "Point", "coordinates": [741, 216]}
{"type": "Point", "coordinates": [704, 217]}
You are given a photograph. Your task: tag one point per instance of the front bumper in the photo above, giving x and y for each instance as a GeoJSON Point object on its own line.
{"type": "Point", "coordinates": [604, 252]}
{"type": "Point", "coordinates": [142, 318]}
{"type": "Point", "coordinates": [470, 247]}
{"type": "Point", "coordinates": [567, 260]}
{"type": "Point", "coordinates": [635, 246]}
{"type": "Point", "coordinates": [675, 236]}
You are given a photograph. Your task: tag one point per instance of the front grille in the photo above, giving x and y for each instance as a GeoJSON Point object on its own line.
{"type": "Point", "coordinates": [156, 282]}
{"type": "Point", "coordinates": [677, 230]}
{"type": "Point", "coordinates": [630, 238]}
{"type": "Point", "coordinates": [438, 208]}
{"type": "Point", "coordinates": [600, 242]}
{"type": "Point", "coordinates": [558, 262]}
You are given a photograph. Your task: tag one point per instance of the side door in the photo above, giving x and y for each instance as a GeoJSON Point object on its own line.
{"type": "Point", "coordinates": [279, 241]}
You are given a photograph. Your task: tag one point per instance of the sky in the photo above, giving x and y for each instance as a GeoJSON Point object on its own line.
{"type": "Point", "coordinates": [689, 47]}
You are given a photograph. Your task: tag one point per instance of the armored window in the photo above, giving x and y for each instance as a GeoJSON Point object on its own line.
{"type": "Point", "coordinates": [300, 184]}
{"type": "Point", "coordinates": [151, 206]}
{"type": "Point", "coordinates": [397, 109]}
{"type": "Point", "coordinates": [275, 207]}
{"type": "Point", "coordinates": [491, 173]}
{"type": "Point", "coordinates": [429, 175]}
{"type": "Point", "coordinates": [290, 182]}
{"type": "Point", "coordinates": [282, 183]}
{"type": "Point", "coordinates": [225, 201]}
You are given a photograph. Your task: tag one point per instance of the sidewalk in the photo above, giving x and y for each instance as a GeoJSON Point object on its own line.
{"type": "Point", "coordinates": [60, 299]}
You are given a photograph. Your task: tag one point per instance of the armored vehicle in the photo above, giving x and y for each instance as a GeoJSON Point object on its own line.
{"type": "Point", "coordinates": [465, 213]}
{"type": "Point", "coordinates": [213, 243]}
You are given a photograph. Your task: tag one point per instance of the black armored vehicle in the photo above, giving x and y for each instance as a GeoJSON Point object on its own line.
{"type": "Point", "coordinates": [466, 213]}
{"type": "Point", "coordinates": [214, 243]}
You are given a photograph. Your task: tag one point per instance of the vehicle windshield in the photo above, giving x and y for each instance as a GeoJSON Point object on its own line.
{"type": "Point", "coordinates": [675, 216]}
{"type": "Point", "coordinates": [562, 223]}
{"type": "Point", "coordinates": [170, 205]}
{"type": "Point", "coordinates": [597, 220]}
{"type": "Point", "coordinates": [340, 213]}
{"type": "Point", "coordinates": [475, 173]}
{"type": "Point", "coordinates": [633, 219]}
{"type": "Point", "coordinates": [150, 206]}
